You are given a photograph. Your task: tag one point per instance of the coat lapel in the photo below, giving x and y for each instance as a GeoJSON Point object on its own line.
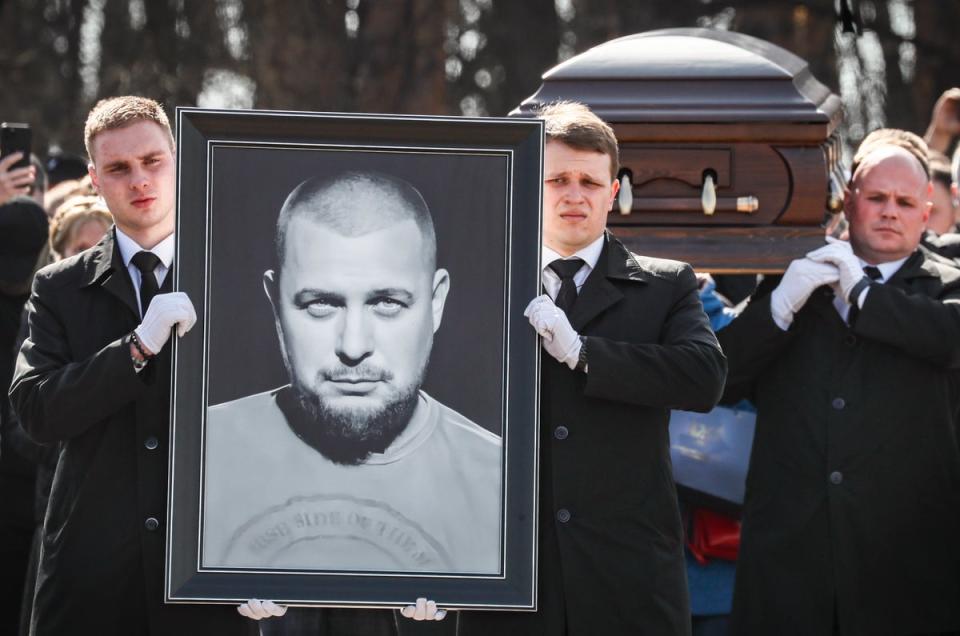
{"type": "Point", "coordinates": [915, 267]}
{"type": "Point", "coordinates": [108, 272]}
{"type": "Point", "coordinates": [597, 294]}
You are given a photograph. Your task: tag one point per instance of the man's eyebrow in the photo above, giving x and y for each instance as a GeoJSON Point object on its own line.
{"type": "Point", "coordinates": [153, 154]}
{"type": "Point", "coordinates": [392, 292]}
{"type": "Point", "coordinates": [118, 163]}
{"type": "Point", "coordinates": [309, 295]}
{"type": "Point", "coordinates": [578, 174]}
{"type": "Point", "coordinates": [890, 193]}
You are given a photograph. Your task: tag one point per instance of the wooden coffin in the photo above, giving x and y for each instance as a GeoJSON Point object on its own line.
{"type": "Point", "coordinates": [730, 158]}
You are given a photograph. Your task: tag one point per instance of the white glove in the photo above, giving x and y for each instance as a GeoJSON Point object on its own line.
{"type": "Point", "coordinates": [165, 312]}
{"type": "Point", "coordinates": [840, 254]}
{"type": "Point", "coordinates": [424, 610]}
{"type": "Point", "coordinates": [559, 338]}
{"type": "Point", "coordinates": [801, 278]}
{"type": "Point", "coordinates": [258, 610]}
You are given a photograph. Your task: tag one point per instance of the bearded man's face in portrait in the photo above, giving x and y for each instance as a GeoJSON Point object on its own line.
{"type": "Point", "coordinates": [355, 316]}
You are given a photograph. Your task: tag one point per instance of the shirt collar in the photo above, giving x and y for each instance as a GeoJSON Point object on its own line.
{"type": "Point", "coordinates": [128, 248]}
{"type": "Point", "coordinates": [590, 254]}
{"type": "Point", "coordinates": [887, 269]}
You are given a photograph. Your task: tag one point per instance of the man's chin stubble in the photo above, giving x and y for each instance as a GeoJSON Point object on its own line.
{"type": "Point", "coordinates": [346, 436]}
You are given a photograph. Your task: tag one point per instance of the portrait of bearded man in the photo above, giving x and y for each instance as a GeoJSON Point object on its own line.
{"type": "Point", "coordinates": [345, 466]}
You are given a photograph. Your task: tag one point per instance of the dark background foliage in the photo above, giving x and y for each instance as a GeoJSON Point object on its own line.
{"type": "Point", "coordinates": [57, 57]}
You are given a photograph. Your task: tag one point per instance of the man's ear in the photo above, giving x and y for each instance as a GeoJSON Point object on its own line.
{"type": "Point", "coordinates": [848, 191]}
{"type": "Point", "coordinates": [929, 202]}
{"type": "Point", "coordinates": [615, 188]}
{"type": "Point", "coordinates": [92, 171]}
{"type": "Point", "coordinates": [441, 286]}
{"type": "Point", "coordinates": [270, 289]}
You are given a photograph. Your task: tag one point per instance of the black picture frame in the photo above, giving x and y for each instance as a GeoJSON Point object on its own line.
{"type": "Point", "coordinates": [482, 179]}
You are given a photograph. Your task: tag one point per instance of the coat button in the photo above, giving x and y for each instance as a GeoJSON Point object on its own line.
{"type": "Point", "coordinates": [151, 524]}
{"type": "Point", "coordinates": [836, 478]}
{"type": "Point", "coordinates": [839, 403]}
{"type": "Point", "coordinates": [850, 340]}
{"type": "Point", "coordinates": [561, 432]}
{"type": "Point", "coordinates": [151, 443]}
{"type": "Point", "coordinates": [563, 515]}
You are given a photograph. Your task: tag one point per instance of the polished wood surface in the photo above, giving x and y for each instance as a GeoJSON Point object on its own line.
{"type": "Point", "coordinates": [724, 250]}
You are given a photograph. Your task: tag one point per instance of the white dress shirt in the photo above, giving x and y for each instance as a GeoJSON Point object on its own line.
{"type": "Point", "coordinates": [128, 248]}
{"type": "Point", "coordinates": [590, 254]}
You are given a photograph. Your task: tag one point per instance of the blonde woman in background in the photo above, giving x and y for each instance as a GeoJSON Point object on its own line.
{"type": "Point", "coordinates": [79, 223]}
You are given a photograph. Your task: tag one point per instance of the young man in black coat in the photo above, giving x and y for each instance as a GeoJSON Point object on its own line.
{"type": "Point", "coordinates": [94, 377]}
{"type": "Point", "coordinates": [852, 509]}
{"type": "Point", "coordinates": [627, 341]}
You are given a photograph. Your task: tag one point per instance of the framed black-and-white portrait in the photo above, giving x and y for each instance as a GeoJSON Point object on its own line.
{"type": "Point", "coordinates": [355, 414]}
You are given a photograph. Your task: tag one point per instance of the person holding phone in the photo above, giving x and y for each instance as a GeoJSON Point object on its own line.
{"type": "Point", "coordinates": [16, 172]}
{"type": "Point", "coordinates": [15, 182]}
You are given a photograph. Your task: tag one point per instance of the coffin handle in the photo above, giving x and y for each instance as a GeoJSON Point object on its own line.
{"type": "Point", "coordinates": [625, 196]}
{"type": "Point", "coordinates": [708, 199]}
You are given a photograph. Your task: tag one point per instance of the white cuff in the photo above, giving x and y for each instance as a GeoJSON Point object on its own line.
{"type": "Point", "coordinates": [782, 316]}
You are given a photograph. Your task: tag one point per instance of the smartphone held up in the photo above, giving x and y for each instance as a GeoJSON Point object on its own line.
{"type": "Point", "coordinates": [16, 137]}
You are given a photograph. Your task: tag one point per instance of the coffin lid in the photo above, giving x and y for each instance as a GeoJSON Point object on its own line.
{"type": "Point", "coordinates": [690, 75]}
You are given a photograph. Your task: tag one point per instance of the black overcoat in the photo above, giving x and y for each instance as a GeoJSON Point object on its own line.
{"type": "Point", "coordinates": [853, 494]}
{"type": "Point", "coordinates": [102, 555]}
{"type": "Point", "coordinates": [611, 547]}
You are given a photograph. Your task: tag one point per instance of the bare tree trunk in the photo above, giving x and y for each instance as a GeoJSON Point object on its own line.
{"type": "Point", "coordinates": [399, 61]}
{"type": "Point", "coordinates": [522, 42]}
{"type": "Point", "coordinates": [39, 67]}
{"type": "Point", "coordinates": [937, 56]}
{"type": "Point", "coordinates": [299, 54]}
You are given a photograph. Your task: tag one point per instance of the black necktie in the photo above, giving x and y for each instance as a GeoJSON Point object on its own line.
{"type": "Point", "coordinates": [565, 269]}
{"type": "Point", "coordinates": [873, 273]}
{"type": "Point", "coordinates": [146, 262]}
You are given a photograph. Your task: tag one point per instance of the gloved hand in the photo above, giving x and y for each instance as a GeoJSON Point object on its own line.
{"type": "Point", "coordinates": [840, 254]}
{"type": "Point", "coordinates": [558, 337]}
{"type": "Point", "coordinates": [424, 610]}
{"type": "Point", "coordinates": [165, 312]}
{"type": "Point", "coordinates": [258, 610]}
{"type": "Point", "coordinates": [801, 278]}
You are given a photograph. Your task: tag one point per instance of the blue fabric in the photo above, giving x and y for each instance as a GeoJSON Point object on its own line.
{"type": "Point", "coordinates": [719, 314]}
{"type": "Point", "coordinates": [711, 585]}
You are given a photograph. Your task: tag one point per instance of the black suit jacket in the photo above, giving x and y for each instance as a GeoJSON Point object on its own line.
{"type": "Point", "coordinates": [611, 545]}
{"type": "Point", "coordinates": [101, 564]}
{"type": "Point", "coordinates": [852, 507]}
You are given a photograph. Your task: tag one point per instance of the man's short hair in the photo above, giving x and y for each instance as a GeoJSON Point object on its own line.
{"type": "Point", "coordinates": [940, 168]}
{"type": "Point", "coordinates": [886, 137]}
{"type": "Point", "coordinates": [319, 199]}
{"type": "Point", "coordinates": [577, 126]}
{"type": "Point", "coordinates": [117, 112]}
